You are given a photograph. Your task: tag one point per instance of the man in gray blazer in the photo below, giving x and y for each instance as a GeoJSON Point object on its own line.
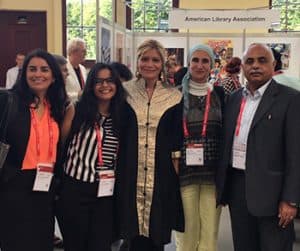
{"type": "Point", "coordinates": [259, 175]}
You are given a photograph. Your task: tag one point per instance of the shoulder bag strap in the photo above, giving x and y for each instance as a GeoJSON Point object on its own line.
{"type": "Point", "coordinates": [6, 117]}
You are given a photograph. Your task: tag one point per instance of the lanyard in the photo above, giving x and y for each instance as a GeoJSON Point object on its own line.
{"type": "Point", "coordinates": [50, 131]}
{"type": "Point", "coordinates": [99, 145]}
{"type": "Point", "coordinates": [205, 119]}
{"type": "Point", "coordinates": [81, 80]}
{"type": "Point", "coordinates": [239, 119]}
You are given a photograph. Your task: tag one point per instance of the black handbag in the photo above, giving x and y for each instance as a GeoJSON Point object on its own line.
{"type": "Point", "coordinates": [4, 147]}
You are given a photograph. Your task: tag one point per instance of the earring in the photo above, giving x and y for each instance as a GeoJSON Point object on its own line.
{"type": "Point", "coordinates": [162, 76]}
{"type": "Point", "coordinates": [137, 74]}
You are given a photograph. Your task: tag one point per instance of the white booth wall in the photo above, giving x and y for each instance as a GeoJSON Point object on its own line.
{"type": "Point", "coordinates": [239, 42]}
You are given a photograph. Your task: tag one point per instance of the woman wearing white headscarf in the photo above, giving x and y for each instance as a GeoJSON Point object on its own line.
{"type": "Point", "coordinates": [202, 123]}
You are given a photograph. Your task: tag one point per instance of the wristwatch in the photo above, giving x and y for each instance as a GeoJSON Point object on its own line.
{"type": "Point", "coordinates": [293, 204]}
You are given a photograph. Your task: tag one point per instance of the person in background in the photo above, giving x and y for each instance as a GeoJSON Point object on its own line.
{"type": "Point", "coordinates": [124, 73]}
{"type": "Point", "coordinates": [27, 181]}
{"type": "Point", "coordinates": [147, 190]}
{"type": "Point", "coordinates": [14, 73]}
{"type": "Point", "coordinates": [202, 127]}
{"type": "Point", "coordinates": [76, 51]}
{"type": "Point", "coordinates": [62, 62]}
{"type": "Point", "coordinates": [171, 67]}
{"type": "Point", "coordinates": [259, 175]}
{"type": "Point", "coordinates": [231, 82]}
{"type": "Point", "coordinates": [178, 76]}
{"type": "Point", "coordinates": [86, 202]}
{"type": "Point", "coordinates": [280, 76]}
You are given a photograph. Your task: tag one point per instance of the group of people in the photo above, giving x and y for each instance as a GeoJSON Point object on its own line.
{"type": "Point", "coordinates": [138, 159]}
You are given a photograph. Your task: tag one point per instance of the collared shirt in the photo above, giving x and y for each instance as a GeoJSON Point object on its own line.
{"type": "Point", "coordinates": [251, 104]}
{"type": "Point", "coordinates": [11, 77]}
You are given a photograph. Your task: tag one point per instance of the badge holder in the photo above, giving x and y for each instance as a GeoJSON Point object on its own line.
{"type": "Point", "coordinates": [195, 155]}
{"type": "Point", "coordinates": [106, 183]}
{"type": "Point", "coordinates": [43, 178]}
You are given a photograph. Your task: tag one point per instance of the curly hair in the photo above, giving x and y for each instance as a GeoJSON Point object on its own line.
{"type": "Point", "coordinates": [234, 65]}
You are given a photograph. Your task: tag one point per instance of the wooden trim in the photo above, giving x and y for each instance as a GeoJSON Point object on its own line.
{"type": "Point", "coordinates": [175, 4]}
{"type": "Point", "coordinates": [128, 17]}
{"type": "Point", "coordinates": [64, 26]}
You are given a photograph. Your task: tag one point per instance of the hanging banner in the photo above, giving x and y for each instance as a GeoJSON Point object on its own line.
{"type": "Point", "coordinates": [223, 19]}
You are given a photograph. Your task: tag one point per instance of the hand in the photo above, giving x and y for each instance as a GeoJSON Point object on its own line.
{"type": "Point", "coordinates": [286, 213]}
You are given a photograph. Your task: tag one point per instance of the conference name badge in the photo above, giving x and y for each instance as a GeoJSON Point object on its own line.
{"type": "Point", "coordinates": [43, 178]}
{"type": "Point", "coordinates": [195, 155]}
{"type": "Point", "coordinates": [239, 156]}
{"type": "Point", "coordinates": [106, 183]}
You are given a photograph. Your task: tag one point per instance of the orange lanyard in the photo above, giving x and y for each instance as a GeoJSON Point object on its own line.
{"type": "Point", "coordinates": [205, 119]}
{"type": "Point", "coordinates": [50, 131]}
{"type": "Point", "coordinates": [99, 145]}
{"type": "Point", "coordinates": [239, 119]}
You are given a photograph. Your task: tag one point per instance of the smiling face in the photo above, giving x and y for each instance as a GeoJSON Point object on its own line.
{"type": "Point", "coordinates": [39, 76]}
{"type": "Point", "coordinates": [258, 65]}
{"type": "Point", "coordinates": [199, 66]}
{"type": "Point", "coordinates": [105, 87]}
{"type": "Point", "coordinates": [150, 65]}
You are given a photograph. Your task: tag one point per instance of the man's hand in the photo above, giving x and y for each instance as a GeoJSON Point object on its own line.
{"type": "Point", "coordinates": [286, 213]}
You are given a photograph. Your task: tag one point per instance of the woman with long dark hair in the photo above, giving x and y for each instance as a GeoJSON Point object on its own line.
{"type": "Point", "coordinates": [86, 200]}
{"type": "Point", "coordinates": [27, 183]}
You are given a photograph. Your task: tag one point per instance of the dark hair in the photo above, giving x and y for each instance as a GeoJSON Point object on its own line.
{"type": "Point", "coordinates": [234, 65]}
{"type": "Point", "coordinates": [277, 57]}
{"type": "Point", "coordinates": [87, 106]}
{"type": "Point", "coordinates": [56, 93]}
{"type": "Point", "coordinates": [61, 60]}
{"type": "Point", "coordinates": [178, 76]}
{"type": "Point", "coordinates": [122, 70]}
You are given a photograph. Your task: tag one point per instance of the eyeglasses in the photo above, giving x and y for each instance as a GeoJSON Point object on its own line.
{"type": "Point", "coordinates": [100, 81]}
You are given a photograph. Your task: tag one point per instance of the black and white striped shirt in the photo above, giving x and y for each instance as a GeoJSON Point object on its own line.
{"type": "Point", "coordinates": [82, 156]}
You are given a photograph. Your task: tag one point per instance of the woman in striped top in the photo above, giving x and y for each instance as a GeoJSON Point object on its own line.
{"type": "Point", "coordinates": [85, 207]}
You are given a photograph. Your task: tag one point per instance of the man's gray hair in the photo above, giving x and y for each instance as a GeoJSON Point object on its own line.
{"type": "Point", "coordinates": [74, 44]}
{"type": "Point", "coordinates": [259, 44]}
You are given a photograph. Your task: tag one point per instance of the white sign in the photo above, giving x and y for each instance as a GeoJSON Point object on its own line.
{"type": "Point", "coordinates": [229, 19]}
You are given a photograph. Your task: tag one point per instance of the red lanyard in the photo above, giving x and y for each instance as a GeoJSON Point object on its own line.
{"type": "Point", "coordinates": [99, 145]}
{"type": "Point", "coordinates": [205, 119]}
{"type": "Point", "coordinates": [81, 80]}
{"type": "Point", "coordinates": [239, 119]}
{"type": "Point", "coordinates": [50, 131]}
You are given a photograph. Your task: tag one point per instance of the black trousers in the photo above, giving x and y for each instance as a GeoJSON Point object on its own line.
{"type": "Point", "coordinates": [251, 233]}
{"type": "Point", "coordinates": [26, 217]}
{"type": "Point", "coordinates": [86, 222]}
{"type": "Point", "coordinates": [142, 243]}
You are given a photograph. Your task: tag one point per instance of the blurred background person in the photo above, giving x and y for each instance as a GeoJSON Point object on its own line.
{"type": "Point", "coordinates": [231, 81]}
{"type": "Point", "coordinates": [202, 125]}
{"type": "Point", "coordinates": [14, 73]}
{"type": "Point", "coordinates": [86, 202]}
{"type": "Point", "coordinates": [76, 51]}
{"type": "Point", "coordinates": [147, 190]}
{"type": "Point", "coordinates": [124, 72]}
{"type": "Point", "coordinates": [280, 76]}
{"type": "Point", "coordinates": [62, 63]}
{"type": "Point", "coordinates": [27, 182]}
